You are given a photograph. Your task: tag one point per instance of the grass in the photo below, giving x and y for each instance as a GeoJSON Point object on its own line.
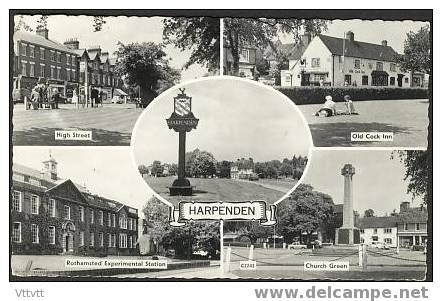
{"type": "Point", "coordinates": [407, 119]}
{"type": "Point", "coordinates": [217, 190]}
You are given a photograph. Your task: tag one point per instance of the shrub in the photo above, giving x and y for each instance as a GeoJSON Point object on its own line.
{"type": "Point", "coordinates": [316, 95]}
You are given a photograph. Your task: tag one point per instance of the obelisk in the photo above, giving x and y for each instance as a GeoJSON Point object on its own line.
{"type": "Point", "coordinates": [348, 234]}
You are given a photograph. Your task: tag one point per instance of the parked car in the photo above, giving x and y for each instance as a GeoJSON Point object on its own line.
{"type": "Point", "coordinates": [296, 246]}
{"type": "Point", "coordinates": [18, 95]}
{"type": "Point", "coordinates": [117, 100]}
{"type": "Point", "coordinates": [253, 177]}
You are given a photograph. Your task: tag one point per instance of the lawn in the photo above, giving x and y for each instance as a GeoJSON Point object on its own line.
{"type": "Point", "coordinates": [110, 125]}
{"type": "Point", "coordinates": [407, 119]}
{"type": "Point", "coordinates": [216, 190]}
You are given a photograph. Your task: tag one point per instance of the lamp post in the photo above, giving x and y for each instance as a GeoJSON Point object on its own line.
{"type": "Point", "coordinates": [182, 121]}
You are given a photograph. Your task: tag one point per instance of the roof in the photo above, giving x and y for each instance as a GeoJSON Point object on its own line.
{"type": "Point", "coordinates": [359, 49]}
{"type": "Point", "coordinates": [22, 169]}
{"type": "Point", "coordinates": [120, 92]}
{"type": "Point", "coordinates": [41, 41]}
{"type": "Point", "coordinates": [294, 51]}
{"type": "Point", "coordinates": [93, 53]}
{"type": "Point", "coordinates": [377, 222]}
{"type": "Point", "coordinates": [104, 57]}
{"type": "Point", "coordinates": [413, 215]}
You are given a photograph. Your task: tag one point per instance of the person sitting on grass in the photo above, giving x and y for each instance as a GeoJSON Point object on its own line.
{"type": "Point", "coordinates": [328, 108]}
{"type": "Point", "coordinates": [349, 104]}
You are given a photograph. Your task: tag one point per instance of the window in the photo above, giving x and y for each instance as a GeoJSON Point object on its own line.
{"type": "Point", "coordinates": [17, 201]}
{"type": "Point", "coordinates": [51, 235]}
{"type": "Point", "coordinates": [92, 239]}
{"type": "Point", "coordinates": [406, 80]}
{"type": "Point", "coordinates": [59, 57]}
{"type": "Point", "coordinates": [51, 207]}
{"type": "Point", "coordinates": [114, 220]}
{"type": "Point", "coordinates": [357, 64]}
{"type": "Point", "coordinates": [370, 65]}
{"type": "Point", "coordinates": [129, 242]}
{"type": "Point", "coordinates": [393, 67]}
{"type": "Point", "coordinates": [31, 51]}
{"type": "Point", "coordinates": [81, 213]}
{"type": "Point", "coordinates": [392, 81]}
{"type": "Point", "coordinates": [34, 234]}
{"type": "Point", "coordinates": [244, 55]}
{"type": "Point", "coordinates": [362, 231]}
{"type": "Point", "coordinates": [92, 216]}
{"type": "Point", "coordinates": [34, 181]}
{"type": "Point", "coordinates": [42, 70]}
{"type": "Point", "coordinates": [68, 59]}
{"type": "Point", "coordinates": [16, 232]}
{"type": "Point", "coordinates": [379, 66]}
{"type": "Point", "coordinates": [23, 68]}
{"type": "Point", "coordinates": [23, 49]}
{"type": "Point", "coordinates": [405, 226]}
{"type": "Point", "coordinates": [316, 62]}
{"type": "Point", "coordinates": [362, 240]}
{"type": "Point", "coordinates": [81, 238]}
{"type": "Point", "coordinates": [347, 79]}
{"type": "Point", "coordinates": [375, 231]}
{"type": "Point", "coordinates": [418, 226]}
{"type": "Point", "coordinates": [318, 77]}
{"type": "Point", "coordinates": [365, 80]}
{"type": "Point", "coordinates": [74, 75]}
{"type": "Point", "coordinates": [388, 240]}
{"type": "Point", "coordinates": [34, 204]}
{"type": "Point", "coordinates": [100, 217]}
{"type": "Point", "coordinates": [67, 212]}
{"type": "Point", "coordinates": [53, 56]}
{"type": "Point", "coordinates": [129, 225]}
{"type": "Point", "coordinates": [68, 74]}
{"type": "Point", "coordinates": [32, 69]}
{"type": "Point", "coordinates": [123, 240]}
{"type": "Point", "coordinates": [123, 221]}
{"type": "Point", "coordinates": [109, 219]}
{"type": "Point", "coordinates": [134, 242]}
{"type": "Point", "coordinates": [101, 239]}
{"type": "Point", "coordinates": [374, 238]}
{"type": "Point", "coordinates": [42, 53]}
{"type": "Point", "coordinates": [387, 230]}
{"type": "Point", "coordinates": [52, 72]}
{"type": "Point", "coordinates": [109, 240]}
{"type": "Point", "coordinates": [58, 72]}
{"type": "Point", "coordinates": [114, 240]}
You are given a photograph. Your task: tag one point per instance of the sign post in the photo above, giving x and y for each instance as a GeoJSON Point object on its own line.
{"type": "Point", "coordinates": [182, 121]}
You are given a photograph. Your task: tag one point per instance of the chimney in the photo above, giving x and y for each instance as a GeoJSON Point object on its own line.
{"type": "Point", "coordinates": [44, 32]}
{"type": "Point", "coordinates": [404, 206]}
{"type": "Point", "coordinates": [306, 39]}
{"type": "Point", "coordinates": [384, 43]}
{"type": "Point", "coordinates": [72, 43]}
{"type": "Point", "coordinates": [350, 35]}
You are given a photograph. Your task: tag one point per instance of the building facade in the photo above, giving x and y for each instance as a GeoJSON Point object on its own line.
{"type": "Point", "coordinates": [247, 62]}
{"type": "Point", "coordinates": [378, 230]}
{"type": "Point", "coordinates": [50, 215]}
{"type": "Point", "coordinates": [331, 61]}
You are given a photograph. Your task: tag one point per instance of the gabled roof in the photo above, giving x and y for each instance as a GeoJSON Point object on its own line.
{"type": "Point", "coordinates": [81, 52]}
{"type": "Point", "coordinates": [41, 41]}
{"type": "Point", "coordinates": [93, 53]}
{"type": "Point", "coordinates": [293, 51]}
{"type": "Point", "coordinates": [359, 49]}
{"type": "Point", "coordinates": [377, 222]}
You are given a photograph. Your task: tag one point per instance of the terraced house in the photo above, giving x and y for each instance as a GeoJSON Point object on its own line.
{"type": "Point", "coordinates": [50, 215]}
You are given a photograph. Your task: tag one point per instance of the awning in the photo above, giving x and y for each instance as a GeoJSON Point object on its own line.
{"type": "Point", "coordinates": [120, 92]}
{"type": "Point", "coordinates": [378, 73]}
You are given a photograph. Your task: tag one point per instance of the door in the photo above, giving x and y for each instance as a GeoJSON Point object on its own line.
{"type": "Point", "coordinates": [399, 80]}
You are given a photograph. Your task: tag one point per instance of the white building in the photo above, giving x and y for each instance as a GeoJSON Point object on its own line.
{"type": "Point", "coordinates": [378, 229]}
{"type": "Point", "coordinates": [332, 61]}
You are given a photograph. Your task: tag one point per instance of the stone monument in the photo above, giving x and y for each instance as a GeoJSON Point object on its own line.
{"type": "Point", "coordinates": [182, 121]}
{"type": "Point", "coordinates": [348, 234]}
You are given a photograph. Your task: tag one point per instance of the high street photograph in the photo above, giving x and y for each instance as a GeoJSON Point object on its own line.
{"type": "Point", "coordinates": [94, 75]}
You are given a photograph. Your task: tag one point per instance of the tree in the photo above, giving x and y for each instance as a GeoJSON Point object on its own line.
{"type": "Point", "coordinates": [143, 170]}
{"type": "Point", "coordinates": [20, 24]}
{"type": "Point", "coordinates": [369, 213]}
{"type": "Point", "coordinates": [145, 65]}
{"type": "Point", "coordinates": [416, 172]}
{"type": "Point", "coordinates": [173, 169]}
{"type": "Point", "coordinates": [223, 169]}
{"type": "Point", "coordinates": [157, 169]}
{"type": "Point", "coordinates": [261, 33]}
{"type": "Point", "coordinates": [286, 169]}
{"type": "Point", "coordinates": [200, 35]}
{"type": "Point", "coordinates": [203, 164]}
{"type": "Point", "coordinates": [98, 23]}
{"type": "Point", "coordinates": [417, 51]}
{"type": "Point", "coordinates": [304, 211]}
{"type": "Point", "coordinates": [42, 22]}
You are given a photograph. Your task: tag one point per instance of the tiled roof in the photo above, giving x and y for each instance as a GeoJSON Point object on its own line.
{"type": "Point", "coordinates": [292, 50]}
{"type": "Point", "coordinates": [359, 49]}
{"type": "Point", "coordinates": [41, 41]}
{"type": "Point", "coordinates": [377, 222]}
{"type": "Point", "coordinates": [413, 215]}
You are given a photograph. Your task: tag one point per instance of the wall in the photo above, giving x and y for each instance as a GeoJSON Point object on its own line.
{"type": "Point", "coordinates": [369, 232]}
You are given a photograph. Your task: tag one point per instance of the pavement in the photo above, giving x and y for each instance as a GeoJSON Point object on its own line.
{"type": "Point", "coordinates": [407, 119]}
{"type": "Point", "coordinates": [110, 125]}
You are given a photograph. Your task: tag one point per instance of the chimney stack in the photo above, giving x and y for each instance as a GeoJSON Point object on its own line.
{"type": "Point", "coordinates": [72, 43]}
{"type": "Point", "coordinates": [350, 35]}
{"type": "Point", "coordinates": [44, 32]}
{"type": "Point", "coordinates": [404, 206]}
{"type": "Point", "coordinates": [384, 43]}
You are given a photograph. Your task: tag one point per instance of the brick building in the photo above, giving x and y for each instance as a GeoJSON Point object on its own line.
{"type": "Point", "coordinates": [50, 215]}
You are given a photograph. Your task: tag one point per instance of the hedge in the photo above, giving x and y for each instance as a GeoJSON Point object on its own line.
{"type": "Point", "coordinates": [316, 95]}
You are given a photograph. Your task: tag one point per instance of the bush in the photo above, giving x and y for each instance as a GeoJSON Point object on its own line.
{"type": "Point", "coordinates": [316, 95]}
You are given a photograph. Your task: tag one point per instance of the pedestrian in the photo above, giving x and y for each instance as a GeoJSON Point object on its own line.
{"type": "Point", "coordinates": [349, 105]}
{"type": "Point", "coordinates": [75, 97]}
{"type": "Point", "coordinates": [328, 109]}
{"type": "Point", "coordinates": [54, 98]}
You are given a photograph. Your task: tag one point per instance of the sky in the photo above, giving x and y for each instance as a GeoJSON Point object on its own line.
{"type": "Point", "coordinates": [377, 184]}
{"type": "Point", "coordinates": [123, 29]}
{"type": "Point", "coordinates": [106, 171]}
{"type": "Point", "coordinates": [238, 118]}
{"type": "Point", "coordinates": [395, 32]}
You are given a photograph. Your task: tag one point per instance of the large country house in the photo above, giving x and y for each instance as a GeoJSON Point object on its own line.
{"type": "Point", "coordinates": [50, 215]}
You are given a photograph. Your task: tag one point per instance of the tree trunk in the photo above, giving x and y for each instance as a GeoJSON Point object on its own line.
{"type": "Point", "coordinates": [146, 95]}
{"type": "Point", "coordinates": [234, 49]}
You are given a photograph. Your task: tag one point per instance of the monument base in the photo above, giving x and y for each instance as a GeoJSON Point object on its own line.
{"type": "Point", "coordinates": [181, 187]}
{"type": "Point", "coordinates": [347, 236]}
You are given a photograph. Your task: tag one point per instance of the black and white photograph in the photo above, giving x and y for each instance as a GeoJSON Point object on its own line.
{"type": "Point", "coordinates": [364, 211]}
{"type": "Point", "coordinates": [84, 80]}
{"type": "Point", "coordinates": [221, 139]}
{"type": "Point", "coordinates": [97, 211]}
{"type": "Point", "coordinates": [348, 77]}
